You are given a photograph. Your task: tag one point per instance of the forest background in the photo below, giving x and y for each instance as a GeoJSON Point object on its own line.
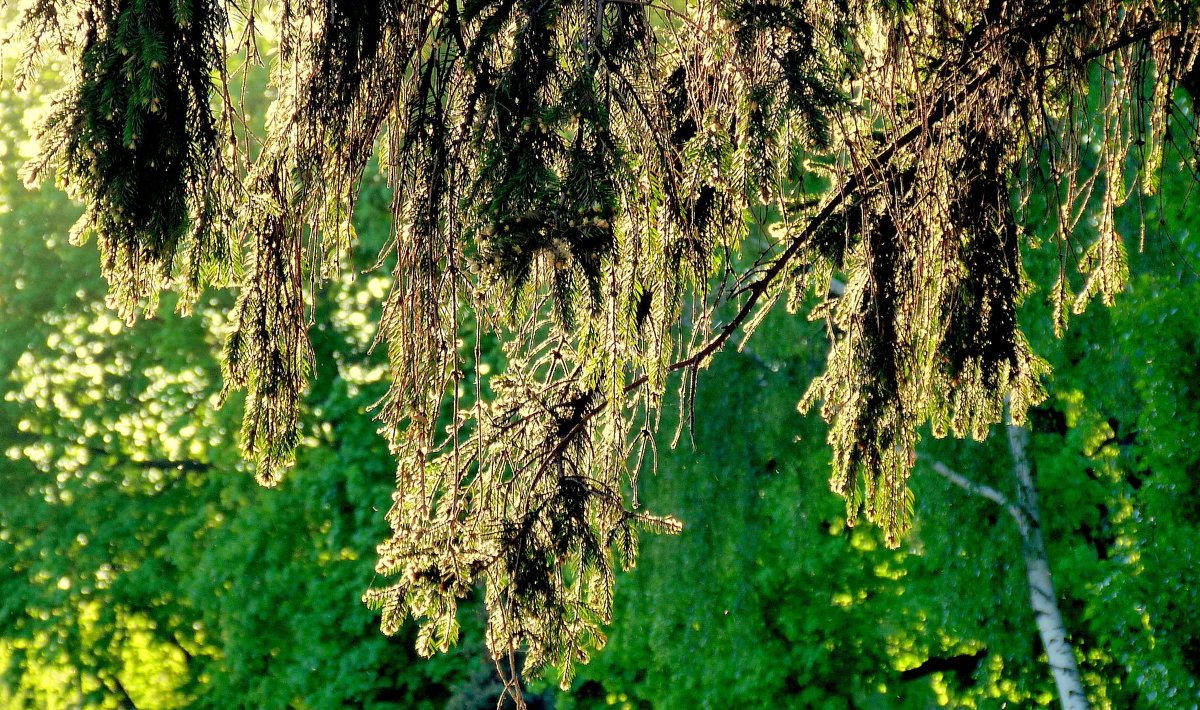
{"type": "Point", "coordinates": [143, 567]}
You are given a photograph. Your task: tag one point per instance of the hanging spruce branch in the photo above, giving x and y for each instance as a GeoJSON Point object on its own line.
{"type": "Point", "coordinates": [617, 190]}
{"type": "Point", "coordinates": [138, 141]}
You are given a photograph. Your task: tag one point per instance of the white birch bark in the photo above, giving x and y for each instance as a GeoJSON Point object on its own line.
{"type": "Point", "coordinates": [1027, 514]}
{"type": "Point", "coordinates": [1059, 653]}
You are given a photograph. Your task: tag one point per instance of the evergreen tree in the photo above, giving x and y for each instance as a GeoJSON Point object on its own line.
{"type": "Point", "coordinates": [616, 190]}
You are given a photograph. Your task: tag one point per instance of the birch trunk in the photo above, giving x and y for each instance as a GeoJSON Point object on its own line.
{"type": "Point", "coordinates": [1059, 652]}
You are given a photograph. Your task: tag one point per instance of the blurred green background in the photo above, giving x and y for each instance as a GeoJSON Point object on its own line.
{"type": "Point", "coordinates": [143, 567]}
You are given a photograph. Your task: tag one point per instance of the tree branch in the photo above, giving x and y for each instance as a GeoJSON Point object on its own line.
{"type": "Point", "coordinates": [163, 464]}
{"type": "Point", "coordinates": [796, 244]}
{"type": "Point", "coordinates": [964, 666]}
{"type": "Point", "coordinates": [980, 489]}
{"type": "Point", "coordinates": [123, 459]}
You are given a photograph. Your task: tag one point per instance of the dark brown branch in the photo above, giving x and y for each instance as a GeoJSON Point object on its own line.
{"type": "Point", "coordinates": [123, 459]}
{"type": "Point", "coordinates": [162, 464]}
{"type": "Point", "coordinates": [963, 666]}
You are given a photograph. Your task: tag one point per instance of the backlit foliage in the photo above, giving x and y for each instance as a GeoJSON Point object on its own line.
{"type": "Point", "coordinates": [615, 189]}
{"type": "Point", "coordinates": [136, 137]}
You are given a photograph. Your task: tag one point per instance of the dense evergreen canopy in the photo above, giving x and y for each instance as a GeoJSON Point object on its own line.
{"type": "Point", "coordinates": [616, 191]}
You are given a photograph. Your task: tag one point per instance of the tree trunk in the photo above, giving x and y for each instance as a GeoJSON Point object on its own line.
{"type": "Point", "coordinates": [1059, 652]}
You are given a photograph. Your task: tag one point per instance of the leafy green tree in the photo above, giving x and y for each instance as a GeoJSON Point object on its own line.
{"type": "Point", "coordinates": [595, 183]}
